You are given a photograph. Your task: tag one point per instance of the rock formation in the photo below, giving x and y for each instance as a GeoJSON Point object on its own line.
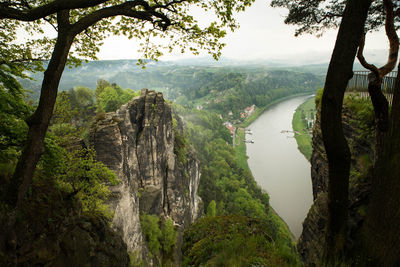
{"type": "Point", "coordinates": [137, 142]}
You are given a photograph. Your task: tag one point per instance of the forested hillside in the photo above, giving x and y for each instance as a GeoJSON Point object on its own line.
{"type": "Point", "coordinates": [221, 89]}
{"type": "Point", "coordinates": [231, 197]}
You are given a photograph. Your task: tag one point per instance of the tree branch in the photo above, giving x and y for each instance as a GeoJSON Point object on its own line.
{"type": "Point", "coordinates": [393, 39]}
{"type": "Point", "coordinates": [51, 24]}
{"type": "Point", "coordinates": [393, 45]}
{"type": "Point", "coordinates": [7, 12]}
{"type": "Point", "coordinates": [125, 9]}
{"type": "Point", "coordinates": [328, 15]}
{"type": "Point", "coordinates": [361, 57]}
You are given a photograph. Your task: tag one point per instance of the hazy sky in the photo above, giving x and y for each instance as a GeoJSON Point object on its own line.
{"type": "Point", "coordinates": [262, 35]}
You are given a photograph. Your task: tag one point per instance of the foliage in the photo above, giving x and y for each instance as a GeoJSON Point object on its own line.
{"type": "Point", "coordinates": [63, 111]}
{"type": "Point", "coordinates": [64, 115]}
{"type": "Point", "coordinates": [168, 236]}
{"type": "Point", "coordinates": [110, 98]}
{"type": "Point", "coordinates": [228, 188]}
{"type": "Point", "coordinates": [212, 208]}
{"type": "Point", "coordinates": [13, 113]}
{"type": "Point", "coordinates": [233, 241]}
{"type": "Point", "coordinates": [226, 90]}
{"type": "Point", "coordinates": [73, 172]}
{"type": "Point", "coordinates": [316, 16]}
{"type": "Point", "coordinates": [180, 146]}
{"type": "Point", "coordinates": [318, 98]}
{"type": "Point", "coordinates": [223, 180]}
{"type": "Point", "coordinates": [81, 27]}
{"type": "Point", "coordinates": [75, 108]}
{"type": "Point", "coordinates": [78, 174]}
{"type": "Point", "coordinates": [151, 231]}
{"type": "Point", "coordinates": [160, 236]}
{"type": "Point", "coordinates": [92, 22]}
{"type": "Point", "coordinates": [365, 120]}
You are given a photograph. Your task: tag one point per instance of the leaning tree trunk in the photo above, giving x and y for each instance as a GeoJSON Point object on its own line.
{"type": "Point", "coordinates": [39, 121]}
{"type": "Point", "coordinates": [38, 124]}
{"type": "Point", "coordinates": [337, 150]}
{"type": "Point", "coordinates": [382, 227]}
{"type": "Point", "coordinates": [381, 110]}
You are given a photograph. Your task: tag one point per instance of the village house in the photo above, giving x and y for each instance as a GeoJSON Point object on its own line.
{"type": "Point", "coordinates": [229, 126]}
{"type": "Point", "coordinates": [249, 110]}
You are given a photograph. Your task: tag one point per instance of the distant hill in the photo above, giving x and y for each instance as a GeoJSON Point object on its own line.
{"type": "Point", "coordinates": [127, 73]}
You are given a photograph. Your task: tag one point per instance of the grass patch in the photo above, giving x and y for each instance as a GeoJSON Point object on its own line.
{"type": "Point", "coordinates": [240, 149]}
{"type": "Point", "coordinates": [301, 128]}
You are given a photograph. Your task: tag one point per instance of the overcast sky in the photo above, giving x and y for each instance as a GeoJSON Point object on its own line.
{"type": "Point", "coordinates": [262, 35]}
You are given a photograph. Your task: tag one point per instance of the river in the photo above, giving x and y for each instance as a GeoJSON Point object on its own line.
{"type": "Point", "coordinates": [278, 166]}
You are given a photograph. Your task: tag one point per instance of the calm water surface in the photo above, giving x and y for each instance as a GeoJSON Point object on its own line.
{"type": "Point", "coordinates": [278, 166]}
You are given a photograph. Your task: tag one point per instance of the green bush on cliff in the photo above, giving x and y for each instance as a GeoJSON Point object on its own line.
{"type": "Point", "coordinates": [111, 97]}
{"type": "Point", "coordinates": [180, 146]}
{"type": "Point", "coordinates": [151, 231]}
{"type": "Point", "coordinates": [365, 120]}
{"type": "Point", "coordinates": [160, 236]}
{"type": "Point", "coordinates": [168, 237]}
{"type": "Point", "coordinates": [78, 175]}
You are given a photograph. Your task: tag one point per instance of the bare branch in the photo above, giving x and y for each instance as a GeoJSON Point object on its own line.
{"type": "Point", "coordinates": [52, 24]}
{"type": "Point", "coordinates": [393, 39]}
{"type": "Point", "coordinates": [361, 58]}
{"type": "Point", "coordinates": [393, 45]}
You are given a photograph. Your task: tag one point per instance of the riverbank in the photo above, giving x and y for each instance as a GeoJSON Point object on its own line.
{"type": "Point", "coordinates": [257, 113]}
{"type": "Point", "coordinates": [241, 155]}
{"type": "Point", "coordinates": [269, 157]}
{"type": "Point", "coordinates": [241, 158]}
{"type": "Point", "coordinates": [303, 119]}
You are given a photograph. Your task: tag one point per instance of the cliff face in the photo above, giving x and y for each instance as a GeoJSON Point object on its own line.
{"type": "Point", "coordinates": [137, 142]}
{"type": "Point", "coordinates": [358, 132]}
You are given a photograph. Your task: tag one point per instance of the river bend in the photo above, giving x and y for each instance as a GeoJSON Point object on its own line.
{"type": "Point", "coordinates": [278, 166]}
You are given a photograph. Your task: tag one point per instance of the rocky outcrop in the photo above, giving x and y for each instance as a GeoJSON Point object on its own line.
{"type": "Point", "coordinates": [88, 242]}
{"type": "Point", "coordinates": [359, 134]}
{"type": "Point", "coordinates": [137, 142]}
{"type": "Point", "coordinates": [53, 231]}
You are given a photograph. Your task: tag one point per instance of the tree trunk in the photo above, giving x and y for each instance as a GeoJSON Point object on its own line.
{"type": "Point", "coordinates": [39, 121]}
{"type": "Point", "coordinates": [382, 230]}
{"type": "Point", "coordinates": [337, 150]}
{"type": "Point", "coordinates": [381, 109]}
{"type": "Point", "coordinates": [38, 124]}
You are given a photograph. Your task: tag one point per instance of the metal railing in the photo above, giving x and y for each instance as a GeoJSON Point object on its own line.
{"type": "Point", "coordinates": [359, 84]}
